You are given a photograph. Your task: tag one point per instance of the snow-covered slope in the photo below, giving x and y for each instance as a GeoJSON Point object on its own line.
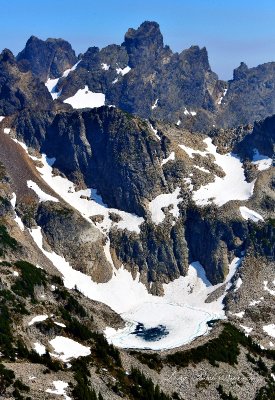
{"type": "Point", "coordinates": [233, 186]}
{"type": "Point", "coordinates": [84, 98]}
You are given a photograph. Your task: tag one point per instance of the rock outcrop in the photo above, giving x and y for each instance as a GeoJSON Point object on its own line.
{"type": "Point", "coordinates": [70, 235]}
{"type": "Point", "coordinates": [46, 58]}
{"type": "Point", "coordinates": [250, 96]}
{"type": "Point", "coordinates": [19, 90]}
{"type": "Point", "coordinates": [144, 77]}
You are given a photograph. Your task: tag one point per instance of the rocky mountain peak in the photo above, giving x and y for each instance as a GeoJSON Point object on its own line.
{"type": "Point", "coordinates": [142, 42]}
{"type": "Point", "coordinates": [240, 72]}
{"type": "Point", "coordinates": [7, 56]}
{"type": "Point", "coordinates": [196, 56]}
{"type": "Point", "coordinates": [46, 58]}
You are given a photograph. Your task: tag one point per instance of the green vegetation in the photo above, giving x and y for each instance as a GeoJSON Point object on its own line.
{"type": "Point", "coordinates": [6, 378]}
{"type": "Point", "coordinates": [71, 304]}
{"type": "Point", "coordinates": [225, 396]}
{"type": "Point", "coordinates": [261, 367]}
{"type": "Point", "coordinates": [4, 201]}
{"type": "Point", "coordinates": [6, 241]}
{"type": "Point", "coordinates": [266, 392]}
{"type": "Point", "coordinates": [57, 280]}
{"type": "Point", "coordinates": [105, 353]}
{"type": "Point", "coordinates": [6, 337]}
{"type": "Point", "coordinates": [143, 388]}
{"type": "Point", "coordinates": [224, 348]}
{"type": "Point", "coordinates": [262, 238]}
{"type": "Point", "coordinates": [34, 357]}
{"type": "Point", "coordinates": [83, 389]}
{"type": "Point", "coordinates": [152, 360]}
{"type": "Point", "coordinates": [30, 277]}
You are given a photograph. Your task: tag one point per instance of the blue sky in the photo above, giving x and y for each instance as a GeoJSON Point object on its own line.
{"type": "Point", "coordinates": [232, 31]}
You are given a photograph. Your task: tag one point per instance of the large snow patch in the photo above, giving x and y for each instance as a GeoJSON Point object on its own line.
{"type": "Point", "coordinates": [84, 98]}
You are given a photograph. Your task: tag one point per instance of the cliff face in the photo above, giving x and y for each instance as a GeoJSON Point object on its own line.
{"type": "Point", "coordinates": [113, 152]}
{"type": "Point", "coordinates": [68, 234]}
{"type": "Point", "coordinates": [19, 90]}
{"type": "Point", "coordinates": [144, 77]}
{"type": "Point", "coordinates": [46, 59]}
{"type": "Point", "coordinates": [250, 95]}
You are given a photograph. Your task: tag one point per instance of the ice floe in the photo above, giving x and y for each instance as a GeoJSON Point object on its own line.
{"type": "Point", "coordinates": [182, 310]}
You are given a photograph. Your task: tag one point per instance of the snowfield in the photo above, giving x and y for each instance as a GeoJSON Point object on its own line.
{"type": "Point", "coordinates": [270, 330]}
{"type": "Point", "coordinates": [165, 200]}
{"type": "Point", "coordinates": [17, 219]}
{"type": "Point", "coordinates": [39, 348]}
{"type": "Point", "coordinates": [84, 98]}
{"type": "Point", "coordinates": [65, 348]}
{"type": "Point", "coordinates": [51, 84]}
{"type": "Point", "coordinates": [155, 104]}
{"type": "Point", "coordinates": [182, 309]}
{"type": "Point", "coordinates": [171, 157]}
{"type": "Point", "coordinates": [262, 162]}
{"type": "Point", "coordinates": [60, 387]}
{"type": "Point", "coordinates": [250, 214]}
{"type": "Point", "coordinates": [270, 291]}
{"type": "Point", "coordinates": [231, 187]}
{"type": "Point", "coordinates": [41, 195]}
{"type": "Point", "coordinates": [38, 318]}
{"type": "Point", "coordinates": [123, 71]}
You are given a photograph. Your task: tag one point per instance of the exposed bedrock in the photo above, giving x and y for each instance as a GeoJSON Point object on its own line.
{"type": "Point", "coordinates": [70, 235]}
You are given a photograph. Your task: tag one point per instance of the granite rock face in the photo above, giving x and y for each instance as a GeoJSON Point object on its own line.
{"type": "Point", "coordinates": [250, 96]}
{"type": "Point", "coordinates": [70, 235]}
{"type": "Point", "coordinates": [159, 253]}
{"type": "Point", "coordinates": [144, 77]}
{"type": "Point", "coordinates": [110, 151]}
{"type": "Point", "coordinates": [20, 90]}
{"type": "Point", "coordinates": [213, 240]}
{"type": "Point", "coordinates": [261, 138]}
{"type": "Point", "coordinates": [46, 58]}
